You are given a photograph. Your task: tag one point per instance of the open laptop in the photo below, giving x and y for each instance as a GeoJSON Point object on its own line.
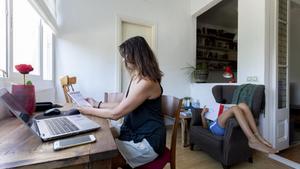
{"type": "Point", "coordinates": [50, 128]}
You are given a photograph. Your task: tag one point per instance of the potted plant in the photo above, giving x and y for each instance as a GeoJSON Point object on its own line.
{"type": "Point", "coordinates": [25, 93]}
{"type": "Point", "coordinates": [200, 73]}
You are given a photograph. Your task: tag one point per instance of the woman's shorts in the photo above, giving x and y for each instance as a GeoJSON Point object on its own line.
{"type": "Point", "coordinates": [216, 129]}
{"type": "Point", "coordinates": [135, 154]}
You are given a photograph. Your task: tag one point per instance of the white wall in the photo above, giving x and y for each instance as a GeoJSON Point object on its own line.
{"type": "Point", "coordinates": [86, 44]}
{"type": "Point", "coordinates": [200, 6]}
{"type": "Point", "coordinates": [294, 56]}
{"type": "Point", "coordinates": [251, 40]}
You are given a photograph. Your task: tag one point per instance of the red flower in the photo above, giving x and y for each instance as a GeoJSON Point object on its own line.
{"type": "Point", "coordinates": [24, 69]}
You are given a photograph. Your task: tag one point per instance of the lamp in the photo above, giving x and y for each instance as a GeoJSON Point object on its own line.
{"type": "Point", "coordinates": [228, 74]}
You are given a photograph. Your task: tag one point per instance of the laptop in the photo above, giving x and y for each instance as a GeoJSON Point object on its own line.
{"type": "Point", "coordinates": [50, 128]}
{"type": "Point", "coordinates": [79, 99]}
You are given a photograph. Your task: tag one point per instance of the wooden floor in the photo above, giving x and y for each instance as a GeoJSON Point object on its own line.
{"type": "Point", "coordinates": [292, 153]}
{"type": "Point", "coordinates": [187, 159]}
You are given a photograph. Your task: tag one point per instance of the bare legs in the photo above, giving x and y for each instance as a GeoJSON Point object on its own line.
{"type": "Point", "coordinates": [251, 122]}
{"type": "Point", "coordinates": [247, 123]}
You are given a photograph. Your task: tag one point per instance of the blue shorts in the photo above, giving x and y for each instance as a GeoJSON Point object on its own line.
{"type": "Point", "coordinates": [216, 129]}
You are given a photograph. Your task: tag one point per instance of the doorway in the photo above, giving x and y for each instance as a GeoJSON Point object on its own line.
{"type": "Point", "coordinates": [127, 28]}
{"type": "Point", "coordinates": [292, 153]}
{"type": "Point", "coordinates": [294, 73]}
{"type": "Point", "coordinates": [289, 97]}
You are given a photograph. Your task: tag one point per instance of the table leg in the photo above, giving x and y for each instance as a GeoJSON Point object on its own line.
{"type": "Point", "coordinates": [185, 132]}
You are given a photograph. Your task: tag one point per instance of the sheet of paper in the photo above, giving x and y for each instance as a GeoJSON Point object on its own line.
{"type": "Point", "coordinates": [213, 110]}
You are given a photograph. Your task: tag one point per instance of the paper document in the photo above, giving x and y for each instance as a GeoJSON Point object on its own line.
{"type": "Point", "coordinates": [216, 109]}
{"type": "Point", "coordinates": [79, 99]}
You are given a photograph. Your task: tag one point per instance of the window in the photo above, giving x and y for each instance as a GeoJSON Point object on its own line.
{"type": "Point", "coordinates": [3, 47]}
{"type": "Point", "coordinates": [31, 37]}
{"type": "Point", "coordinates": [47, 52]}
{"type": "Point", "coordinates": [26, 35]}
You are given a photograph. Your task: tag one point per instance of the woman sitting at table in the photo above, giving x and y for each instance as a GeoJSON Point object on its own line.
{"type": "Point", "coordinates": [143, 134]}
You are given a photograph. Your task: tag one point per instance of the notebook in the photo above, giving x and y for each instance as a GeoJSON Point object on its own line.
{"type": "Point", "coordinates": [79, 99]}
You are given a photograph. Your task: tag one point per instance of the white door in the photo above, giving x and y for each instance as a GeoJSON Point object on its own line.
{"type": "Point", "coordinates": [129, 30]}
{"type": "Point", "coordinates": [281, 82]}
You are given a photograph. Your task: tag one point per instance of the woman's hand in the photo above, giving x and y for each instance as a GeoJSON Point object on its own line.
{"type": "Point", "coordinates": [92, 101]}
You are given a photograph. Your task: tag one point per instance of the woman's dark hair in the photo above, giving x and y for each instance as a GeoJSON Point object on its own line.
{"type": "Point", "coordinates": [141, 58]}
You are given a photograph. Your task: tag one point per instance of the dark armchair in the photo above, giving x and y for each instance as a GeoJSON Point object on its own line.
{"type": "Point", "coordinates": [233, 146]}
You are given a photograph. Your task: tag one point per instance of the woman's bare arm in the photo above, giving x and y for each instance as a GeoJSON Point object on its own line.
{"type": "Point", "coordinates": [139, 92]}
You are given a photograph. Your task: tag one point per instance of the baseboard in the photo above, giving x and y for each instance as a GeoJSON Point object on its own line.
{"type": "Point", "coordinates": [284, 161]}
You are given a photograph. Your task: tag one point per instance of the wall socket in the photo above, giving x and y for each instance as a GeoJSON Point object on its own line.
{"type": "Point", "coordinates": [252, 79]}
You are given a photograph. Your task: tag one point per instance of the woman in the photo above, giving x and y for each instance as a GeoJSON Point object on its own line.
{"type": "Point", "coordinates": [142, 135]}
{"type": "Point", "coordinates": [246, 121]}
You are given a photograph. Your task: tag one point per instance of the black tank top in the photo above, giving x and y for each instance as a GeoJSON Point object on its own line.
{"type": "Point", "coordinates": [146, 121]}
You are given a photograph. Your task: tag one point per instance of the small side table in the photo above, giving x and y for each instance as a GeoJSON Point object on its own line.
{"type": "Point", "coordinates": [185, 126]}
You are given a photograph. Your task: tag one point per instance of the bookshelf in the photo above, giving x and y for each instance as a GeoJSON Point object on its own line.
{"type": "Point", "coordinates": [216, 48]}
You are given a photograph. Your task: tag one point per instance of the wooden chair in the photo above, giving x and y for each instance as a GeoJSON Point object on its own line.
{"type": "Point", "coordinates": [66, 83]}
{"type": "Point", "coordinates": [171, 109]}
{"type": "Point", "coordinates": [113, 97]}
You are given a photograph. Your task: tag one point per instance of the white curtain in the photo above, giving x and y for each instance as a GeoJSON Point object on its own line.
{"type": "Point", "coordinates": [47, 10]}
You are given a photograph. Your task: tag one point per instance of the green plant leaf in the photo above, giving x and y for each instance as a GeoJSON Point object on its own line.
{"type": "Point", "coordinates": [29, 82]}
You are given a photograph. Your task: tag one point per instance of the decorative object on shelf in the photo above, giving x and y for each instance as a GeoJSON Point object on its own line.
{"type": "Point", "coordinates": [25, 93]}
{"type": "Point", "coordinates": [235, 38]}
{"type": "Point", "coordinates": [186, 102]}
{"type": "Point", "coordinates": [200, 74]}
{"type": "Point", "coordinates": [229, 74]}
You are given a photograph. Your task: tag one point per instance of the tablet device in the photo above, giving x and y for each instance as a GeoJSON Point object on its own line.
{"type": "Point", "coordinates": [79, 99]}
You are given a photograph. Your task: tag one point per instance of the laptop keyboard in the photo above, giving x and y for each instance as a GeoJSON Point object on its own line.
{"type": "Point", "coordinates": [60, 126]}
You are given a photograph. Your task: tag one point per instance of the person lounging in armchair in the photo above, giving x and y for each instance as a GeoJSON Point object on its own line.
{"type": "Point", "coordinates": [244, 116]}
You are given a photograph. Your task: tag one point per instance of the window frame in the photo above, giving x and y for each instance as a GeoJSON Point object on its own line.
{"type": "Point", "coordinates": [15, 77]}
{"type": "Point", "coordinates": [6, 38]}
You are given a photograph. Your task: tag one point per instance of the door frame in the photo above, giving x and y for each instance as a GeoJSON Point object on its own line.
{"type": "Point", "coordinates": [118, 61]}
{"type": "Point", "coordinates": [272, 98]}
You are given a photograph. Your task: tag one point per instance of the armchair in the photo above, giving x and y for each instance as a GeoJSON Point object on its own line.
{"type": "Point", "coordinates": [233, 146]}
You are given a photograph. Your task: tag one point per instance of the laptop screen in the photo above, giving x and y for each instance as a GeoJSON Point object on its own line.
{"type": "Point", "coordinates": [14, 106]}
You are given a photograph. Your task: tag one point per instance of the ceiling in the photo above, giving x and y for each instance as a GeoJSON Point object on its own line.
{"type": "Point", "coordinates": [223, 14]}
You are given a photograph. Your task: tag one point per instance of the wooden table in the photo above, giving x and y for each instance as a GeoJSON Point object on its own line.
{"type": "Point", "coordinates": [20, 148]}
{"type": "Point", "coordinates": [185, 121]}
{"type": "Point", "coordinates": [185, 126]}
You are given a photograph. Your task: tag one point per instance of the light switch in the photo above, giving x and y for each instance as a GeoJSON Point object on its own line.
{"type": "Point", "coordinates": [252, 79]}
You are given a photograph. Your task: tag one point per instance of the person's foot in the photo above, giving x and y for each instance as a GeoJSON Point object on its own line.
{"type": "Point", "coordinates": [261, 139]}
{"type": "Point", "coordinates": [257, 145]}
